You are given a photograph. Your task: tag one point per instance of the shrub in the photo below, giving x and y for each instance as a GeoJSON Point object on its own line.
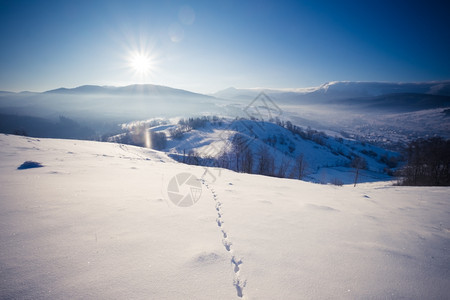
{"type": "Point", "coordinates": [337, 181]}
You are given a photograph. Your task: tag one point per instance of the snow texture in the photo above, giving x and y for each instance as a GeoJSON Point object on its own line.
{"type": "Point", "coordinates": [96, 223]}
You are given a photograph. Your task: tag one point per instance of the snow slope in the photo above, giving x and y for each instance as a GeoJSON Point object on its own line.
{"type": "Point", "coordinates": [325, 162]}
{"type": "Point", "coordinates": [96, 222]}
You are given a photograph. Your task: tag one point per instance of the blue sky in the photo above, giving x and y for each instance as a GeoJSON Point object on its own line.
{"type": "Point", "coordinates": [206, 46]}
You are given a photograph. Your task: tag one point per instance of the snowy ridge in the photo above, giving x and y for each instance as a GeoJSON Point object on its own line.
{"type": "Point", "coordinates": [345, 89]}
{"type": "Point", "coordinates": [327, 158]}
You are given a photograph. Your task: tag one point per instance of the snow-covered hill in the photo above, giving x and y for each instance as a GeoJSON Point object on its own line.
{"type": "Point", "coordinates": [340, 90]}
{"type": "Point", "coordinates": [327, 158]}
{"type": "Point", "coordinates": [367, 109]}
{"type": "Point", "coordinates": [97, 222]}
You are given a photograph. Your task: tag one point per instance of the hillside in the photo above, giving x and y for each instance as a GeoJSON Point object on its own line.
{"type": "Point", "coordinates": [223, 142]}
{"type": "Point", "coordinates": [97, 221]}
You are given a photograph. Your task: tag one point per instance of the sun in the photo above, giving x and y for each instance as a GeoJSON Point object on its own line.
{"type": "Point", "coordinates": [141, 63]}
{"type": "Point", "coordinates": [141, 58]}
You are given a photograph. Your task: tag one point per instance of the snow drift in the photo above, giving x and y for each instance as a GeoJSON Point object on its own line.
{"type": "Point", "coordinates": [96, 222]}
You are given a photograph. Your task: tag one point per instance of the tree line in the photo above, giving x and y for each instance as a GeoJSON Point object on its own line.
{"type": "Point", "coordinates": [428, 163]}
{"type": "Point", "coordinates": [243, 159]}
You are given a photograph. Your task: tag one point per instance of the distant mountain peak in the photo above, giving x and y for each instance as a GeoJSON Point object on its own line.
{"type": "Point", "coordinates": [132, 89]}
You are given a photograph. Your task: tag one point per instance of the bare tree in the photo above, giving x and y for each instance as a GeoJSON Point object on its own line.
{"type": "Point", "coordinates": [428, 162]}
{"type": "Point", "coordinates": [247, 161]}
{"type": "Point", "coordinates": [192, 158]}
{"type": "Point", "coordinates": [300, 166]}
{"type": "Point", "coordinates": [238, 148]}
{"type": "Point", "coordinates": [265, 162]}
{"type": "Point", "coordinates": [223, 161]}
{"type": "Point", "coordinates": [176, 132]}
{"type": "Point", "coordinates": [358, 163]}
{"type": "Point", "coordinates": [284, 167]}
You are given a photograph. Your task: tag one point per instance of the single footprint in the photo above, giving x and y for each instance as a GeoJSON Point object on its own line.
{"type": "Point", "coordinates": [236, 264]}
{"type": "Point", "coordinates": [227, 245]}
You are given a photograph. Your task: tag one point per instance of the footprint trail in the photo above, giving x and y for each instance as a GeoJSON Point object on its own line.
{"type": "Point", "coordinates": [236, 263]}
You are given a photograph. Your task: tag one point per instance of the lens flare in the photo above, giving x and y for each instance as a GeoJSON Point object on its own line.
{"type": "Point", "coordinates": [148, 139]}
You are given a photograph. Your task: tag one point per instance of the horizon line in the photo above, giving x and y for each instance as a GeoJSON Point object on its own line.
{"type": "Point", "coordinates": [296, 89]}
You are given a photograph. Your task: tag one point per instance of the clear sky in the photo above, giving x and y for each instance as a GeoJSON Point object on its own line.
{"type": "Point", "coordinates": [205, 46]}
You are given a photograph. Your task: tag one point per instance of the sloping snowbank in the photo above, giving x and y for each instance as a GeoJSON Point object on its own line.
{"type": "Point", "coordinates": [96, 222]}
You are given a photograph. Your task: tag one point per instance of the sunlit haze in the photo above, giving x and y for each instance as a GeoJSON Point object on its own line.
{"type": "Point", "coordinates": [205, 46]}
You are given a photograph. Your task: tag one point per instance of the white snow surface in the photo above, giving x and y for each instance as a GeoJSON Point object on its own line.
{"type": "Point", "coordinates": [95, 222]}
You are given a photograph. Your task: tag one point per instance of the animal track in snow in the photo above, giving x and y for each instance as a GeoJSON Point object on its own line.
{"type": "Point", "coordinates": [239, 284]}
{"type": "Point", "coordinates": [236, 263]}
{"type": "Point", "coordinates": [227, 244]}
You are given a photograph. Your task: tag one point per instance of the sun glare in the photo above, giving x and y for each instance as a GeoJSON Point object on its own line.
{"type": "Point", "coordinates": [140, 57]}
{"type": "Point", "coordinates": [141, 63]}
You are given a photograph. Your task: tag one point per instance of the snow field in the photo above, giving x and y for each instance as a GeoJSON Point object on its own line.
{"type": "Point", "coordinates": [96, 222]}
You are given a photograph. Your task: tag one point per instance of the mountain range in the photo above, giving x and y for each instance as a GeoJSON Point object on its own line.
{"type": "Point", "coordinates": [345, 89]}
{"type": "Point", "coordinates": [383, 95]}
{"type": "Point", "coordinates": [333, 106]}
